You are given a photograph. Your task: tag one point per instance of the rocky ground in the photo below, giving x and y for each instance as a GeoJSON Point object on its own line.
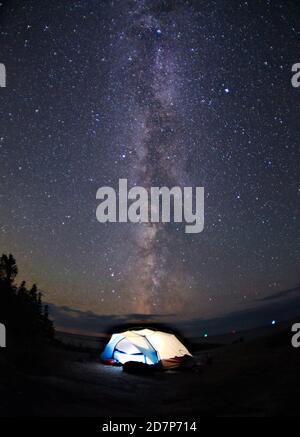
{"type": "Point", "coordinates": [259, 377]}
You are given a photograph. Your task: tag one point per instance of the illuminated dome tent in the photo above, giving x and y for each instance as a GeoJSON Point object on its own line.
{"type": "Point", "coordinates": [146, 346]}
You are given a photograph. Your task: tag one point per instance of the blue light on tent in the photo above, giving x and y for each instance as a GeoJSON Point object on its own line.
{"type": "Point", "coordinates": [205, 335]}
{"type": "Point", "coordinates": [273, 322]}
{"type": "Point", "coordinates": [123, 358]}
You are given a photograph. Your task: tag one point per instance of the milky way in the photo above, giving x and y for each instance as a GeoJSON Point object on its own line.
{"type": "Point", "coordinates": [159, 157]}
{"type": "Point", "coordinates": [161, 92]}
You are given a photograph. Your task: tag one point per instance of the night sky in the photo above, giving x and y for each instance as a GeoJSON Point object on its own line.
{"type": "Point", "coordinates": [187, 93]}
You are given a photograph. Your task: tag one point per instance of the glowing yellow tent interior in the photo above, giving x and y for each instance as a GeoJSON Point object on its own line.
{"type": "Point", "coordinates": [146, 346]}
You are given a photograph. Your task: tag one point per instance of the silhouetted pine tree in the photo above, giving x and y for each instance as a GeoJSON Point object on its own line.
{"type": "Point", "coordinates": [8, 268]}
{"type": "Point", "coordinates": [27, 320]}
{"type": "Point", "coordinates": [33, 293]}
{"type": "Point", "coordinates": [48, 324]}
{"type": "Point", "coordinates": [21, 291]}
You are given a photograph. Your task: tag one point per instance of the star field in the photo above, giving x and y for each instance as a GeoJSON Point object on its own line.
{"type": "Point", "coordinates": [161, 93]}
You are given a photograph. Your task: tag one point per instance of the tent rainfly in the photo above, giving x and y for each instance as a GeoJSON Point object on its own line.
{"type": "Point", "coordinates": [146, 346]}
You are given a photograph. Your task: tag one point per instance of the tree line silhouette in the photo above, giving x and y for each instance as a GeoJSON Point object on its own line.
{"type": "Point", "coordinates": [24, 315]}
